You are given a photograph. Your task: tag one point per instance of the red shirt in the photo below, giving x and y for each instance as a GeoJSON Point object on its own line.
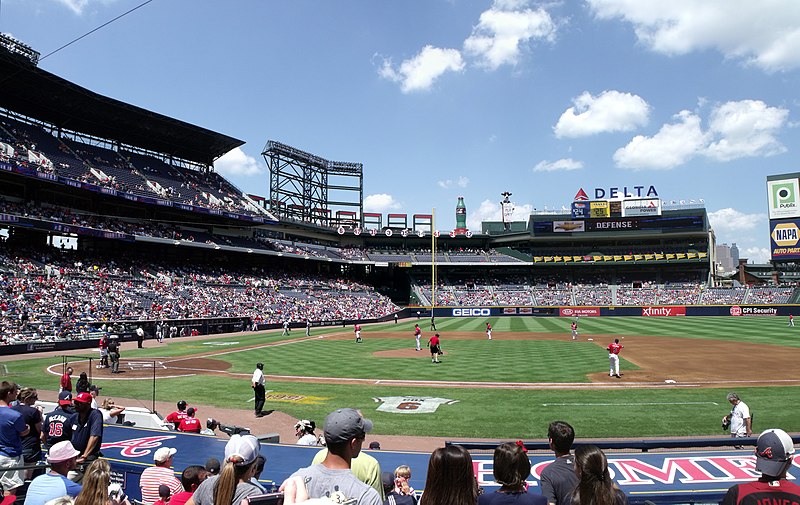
{"type": "Point", "coordinates": [190, 425]}
{"type": "Point", "coordinates": [66, 382]}
{"type": "Point", "coordinates": [356, 328]}
{"type": "Point", "coordinates": [176, 417]}
{"type": "Point", "coordinates": [614, 348]}
{"type": "Point", "coordinates": [434, 340]}
{"type": "Point", "coordinates": [417, 331]}
{"type": "Point", "coordinates": [488, 326]}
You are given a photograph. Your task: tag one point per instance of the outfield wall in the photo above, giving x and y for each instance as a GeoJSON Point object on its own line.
{"type": "Point", "coordinates": [636, 311]}
{"type": "Point", "coordinates": [663, 477]}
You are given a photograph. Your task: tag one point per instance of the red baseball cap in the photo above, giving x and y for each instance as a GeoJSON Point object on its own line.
{"type": "Point", "coordinates": [83, 398]}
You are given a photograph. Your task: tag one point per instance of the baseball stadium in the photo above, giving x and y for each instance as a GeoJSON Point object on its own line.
{"type": "Point", "coordinates": [114, 225]}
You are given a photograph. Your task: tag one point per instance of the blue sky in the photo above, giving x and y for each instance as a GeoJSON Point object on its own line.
{"type": "Point", "coordinates": [447, 98]}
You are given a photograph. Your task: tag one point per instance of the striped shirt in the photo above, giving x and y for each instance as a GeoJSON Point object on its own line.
{"type": "Point", "coordinates": [154, 476]}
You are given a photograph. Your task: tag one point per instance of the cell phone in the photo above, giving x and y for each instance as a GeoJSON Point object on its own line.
{"type": "Point", "coordinates": [266, 499]}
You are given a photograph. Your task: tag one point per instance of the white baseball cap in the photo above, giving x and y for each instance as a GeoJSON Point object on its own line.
{"type": "Point", "coordinates": [163, 454]}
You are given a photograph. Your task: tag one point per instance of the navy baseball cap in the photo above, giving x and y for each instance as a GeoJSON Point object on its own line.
{"type": "Point", "coordinates": [774, 451]}
{"type": "Point", "coordinates": [65, 398]}
{"type": "Point", "coordinates": [343, 425]}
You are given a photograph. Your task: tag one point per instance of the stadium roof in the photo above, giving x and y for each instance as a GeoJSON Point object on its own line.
{"type": "Point", "coordinates": [33, 92]}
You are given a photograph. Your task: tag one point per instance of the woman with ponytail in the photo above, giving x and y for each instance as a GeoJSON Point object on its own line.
{"type": "Point", "coordinates": [232, 485]}
{"type": "Point", "coordinates": [511, 469]}
{"type": "Point", "coordinates": [595, 486]}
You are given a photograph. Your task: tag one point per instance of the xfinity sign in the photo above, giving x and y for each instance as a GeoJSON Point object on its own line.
{"type": "Point", "coordinates": [471, 312]}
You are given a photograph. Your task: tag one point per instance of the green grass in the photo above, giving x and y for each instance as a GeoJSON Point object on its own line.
{"type": "Point", "coordinates": [491, 413]}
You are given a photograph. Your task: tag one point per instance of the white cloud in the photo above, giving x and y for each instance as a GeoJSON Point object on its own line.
{"type": "Point", "coordinates": [380, 202]}
{"type": "Point", "coordinates": [490, 211]}
{"type": "Point", "coordinates": [611, 111]}
{"type": "Point", "coordinates": [503, 29]}
{"type": "Point", "coordinates": [756, 254]}
{"type": "Point", "coordinates": [765, 34]}
{"type": "Point", "coordinates": [745, 129]}
{"type": "Point", "coordinates": [462, 182]}
{"type": "Point", "coordinates": [236, 162]}
{"type": "Point", "coordinates": [79, 6]}
{"type": "Point", "coordinates": [729, 221]}
{"type": "Point", "coordinates": [673, 145]}
{"type": "Point", "coordinates": [420, 72]}
{"type": "Point", "coordinates": [562, 165]}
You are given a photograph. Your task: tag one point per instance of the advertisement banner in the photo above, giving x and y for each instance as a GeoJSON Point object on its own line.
{"type": "Point", "coordinates": [753, 310]}
{"type": "Point", "coordinates": [641, 207]}
{"type": "Point", "coordinates": [580, 210]}
{"type": "Point", "coordinates": [785, 239]}
{"type": "Point", "coordinates": [568, 226]}
{"type": "Point", "coordinates": [665, 311]}
{"type": "Point", "coordinates": [579, 311]}
{"type": "Point", "coordinates": [613, 225]}
{"type": "Point", "coordinates": [783, 198]}
{"type": "Point", "coordinates": [615, 208]}
{"type": "Point", "coordinates": [599, 209]}
{"type": "Point", "coordinates": [510, 310]}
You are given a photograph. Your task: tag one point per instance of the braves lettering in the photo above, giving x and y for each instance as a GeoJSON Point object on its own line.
{"type": "Point", "coordinates": [137, 447]}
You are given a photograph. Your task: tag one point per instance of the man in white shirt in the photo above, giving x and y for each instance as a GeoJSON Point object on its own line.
{"type": "Point", "coordinates": [258, 389]}
{"type": "Point", "coordinates": [739, 419]}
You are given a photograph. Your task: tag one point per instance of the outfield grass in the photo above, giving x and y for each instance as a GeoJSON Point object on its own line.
{"type": "Point", "coordinates": [491, 413]}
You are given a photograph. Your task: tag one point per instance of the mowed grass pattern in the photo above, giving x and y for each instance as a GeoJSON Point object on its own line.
{"type": "Point", "coordinates": [491, 413]}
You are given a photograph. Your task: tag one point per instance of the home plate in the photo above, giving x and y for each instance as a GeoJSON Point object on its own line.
{"type": "Point", "coordinates": [590, 339]}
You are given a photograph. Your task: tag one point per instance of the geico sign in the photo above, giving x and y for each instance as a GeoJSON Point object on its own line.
{"type": "Point", "coordinates": [471, 312]}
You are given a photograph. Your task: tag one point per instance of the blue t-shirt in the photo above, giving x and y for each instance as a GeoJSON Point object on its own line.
{"type": "Point", "coordinates": [48, 486]}
{"type": "Point", "coordinates": [81, 432]}
{"type": "Point", "coordinates": [11, 425]}
{"type": "Point", "coordinates": [57, 426]}
{"type": "Point", "coordinates": [497, 498]}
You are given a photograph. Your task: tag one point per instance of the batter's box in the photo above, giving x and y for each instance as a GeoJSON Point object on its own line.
{"type": "Point", "coordinates": [146, 365]}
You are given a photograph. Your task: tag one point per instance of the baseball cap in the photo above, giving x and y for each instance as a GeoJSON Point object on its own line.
{"type": "Point", "coordinates": [375, 445]}
{"type": "Point", "coordinates": [387, 479]}
{"type": "Point", "coordinates": [774, 451]}
{"type": "Point", "coordinates": [83, 397]}
{"type": "Point", "coordinates": [62, 451]}
{"type": "Point", "coordinates": [246, 447]}
{"type": "Point", "coordinates": [343, 425]}
{"type": "Point", "coordinates": [163, 454]}
{"type": "Point", "coordinates": [212, 465]}
{"type": "Point", "coordinates": [65, 398]}
{"type": "Point", "coordinates": [190, 411]}
{"type": "Point", "coordinates": [94, 388]}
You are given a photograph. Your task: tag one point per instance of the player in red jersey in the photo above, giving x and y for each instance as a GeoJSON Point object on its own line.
{"type": "Point", "coordinates": [436, 351]}
{"type": "Point", "coordinates": [574, 330]}
{"type": "Point", "coordinates": [177, 416]}
{"type": "Point", "coordinates": [190, 424]}
{"type": "Point", "coordinates": [417, 335]}
{"type": "Point", "coordinates": [489, 330]}
{"type": "Point", "coordinates": [613, 358]}
{"type": "Point", "coordinates": [774, 453]}
{"type": "Point", "coordinates": [357, 330]}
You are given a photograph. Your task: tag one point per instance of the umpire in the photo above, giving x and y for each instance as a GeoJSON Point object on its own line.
{"type": "Point", "coordinates": [258, 389]}
{"type": "Point", "coordinates": [113, 353]}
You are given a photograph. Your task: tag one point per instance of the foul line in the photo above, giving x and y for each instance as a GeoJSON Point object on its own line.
{"type": "Point", "coordinates": [636, 404]}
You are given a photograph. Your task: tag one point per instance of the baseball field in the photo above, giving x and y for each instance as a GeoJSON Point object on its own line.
{"type": "Point", "coordinates": [676, 373]}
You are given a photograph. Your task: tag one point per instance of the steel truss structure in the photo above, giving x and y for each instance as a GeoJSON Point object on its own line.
{"type": "Point", "coordinates": [308, 188]}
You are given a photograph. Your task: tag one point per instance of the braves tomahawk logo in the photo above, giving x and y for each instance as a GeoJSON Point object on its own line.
{"type": "Point", "coordinates": [766, 453]}
{"type": "Point", "coordinates": [137, 447]}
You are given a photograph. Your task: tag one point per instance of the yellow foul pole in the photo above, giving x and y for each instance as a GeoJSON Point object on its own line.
{"type": "Point", "coordinates": [433, 260]}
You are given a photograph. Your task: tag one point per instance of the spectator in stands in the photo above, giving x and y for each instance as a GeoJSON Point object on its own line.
{"type": "Point", "coordinates": [97, 488]}
{"type": "Point", "coordinates": [451, 478]}
{"type": "Point", "coordinates": [774, 454]}
{"type": "Point", "coordinates": [94, 391]}
{"type": "Point", "coordinates": [66, 380]}
{"type": "Point", "coordinates": [233, 484]}
{"type": "Point", "coordinates": [87, 434]}
{"type": "Point", "coordinates": [191, 478]}
{"type": "Point", "coordinates": [511, 467]}
{"type": "Point", "coordinates": [164, 495]}
{"type": "Point", "coordinates": [161, 473]}
{"type": "Point", "coordinates": [595, 486]}
{"type": "Point", "coordinates": [345, 431]}
{"type": "Point", "coordinates": [260, 462]}
{"type": "Point", "coordinates": [177, 416]}
{"type": "Point", "coordinates": [190, 424]}
{"type": "Point", "coordinates": [31, 445]}
{"type": "Point", "coordinates": [56, 426]}
{"type": "Point", "coordinates": [558, 479]}
{"type": "Point", "coordinates": [401, 489]}
{"type": "Point", "coordinates": [12, 429]}
{"type": "Point", "coordinates": [212, 466]}
{"type": "Point", "coordinates": [55, 483]}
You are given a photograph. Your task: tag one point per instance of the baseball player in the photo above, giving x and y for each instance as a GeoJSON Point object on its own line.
{"type": "Point", "coordinates": [357, 330]}
{"type": "Point", "coordinates": [613, 358]}
{"type": "Point", "coordinates": [574, 330]}
{"type": "Point", "coordinates": [417, 335]}
{"type": "Point", "coordinates": [308, 327]}
{"type": "Point", "coordinates": [489, 330]}
{"type": "Point", "coordinates": [103, 345]}
{"type": "Point", "coordinates": [286, 329]}
{"type": "Point", "coordinates": [791, 320]}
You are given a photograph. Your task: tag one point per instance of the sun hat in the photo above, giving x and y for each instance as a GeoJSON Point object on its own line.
{"type": "Point", "coordinates": [62, 451]}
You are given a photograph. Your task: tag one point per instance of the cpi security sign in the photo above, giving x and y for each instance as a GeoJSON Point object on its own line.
{"type": "Point", "coordinates": [784, 198]}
